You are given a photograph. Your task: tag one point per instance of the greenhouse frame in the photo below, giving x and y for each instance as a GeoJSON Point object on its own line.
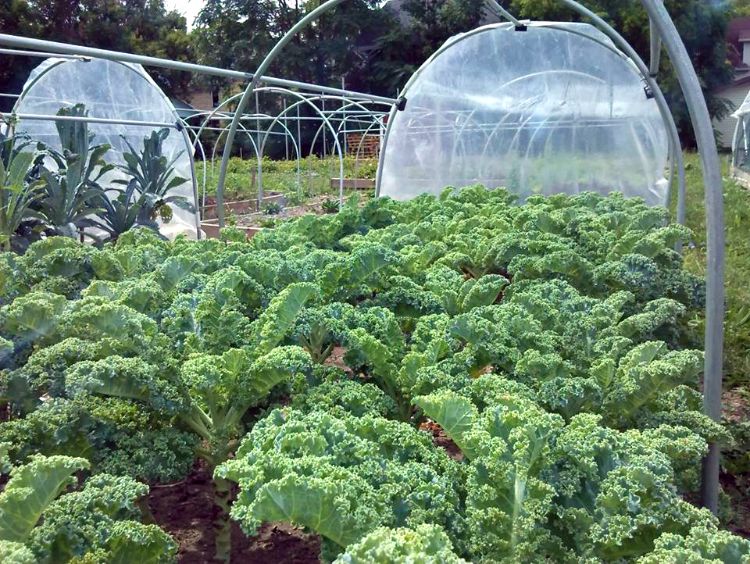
{"type": "Point", "coordinates": [369, 109]}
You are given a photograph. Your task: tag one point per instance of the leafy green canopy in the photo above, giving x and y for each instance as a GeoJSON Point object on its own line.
{"type": "Point", "coordinates": [542, 344]}
{"type": "Point", "coordinates": [40, 522]}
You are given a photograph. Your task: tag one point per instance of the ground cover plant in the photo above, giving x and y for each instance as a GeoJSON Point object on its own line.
{"type": "Point", "coordinates": [736, 398]}
{"type": "Point", "coordinates": [457, 378]}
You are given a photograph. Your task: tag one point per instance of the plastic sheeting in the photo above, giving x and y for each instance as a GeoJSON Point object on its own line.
{"type": "Point", "coordinates": [109, 90]}
{"type": "Point", "coordinates": [543, 111]}
{"type": "Point", "coordinates": [744, 109]}
{"type": "Point", "coordinates": [741, 141]}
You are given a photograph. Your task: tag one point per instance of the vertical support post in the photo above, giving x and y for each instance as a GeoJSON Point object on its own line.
{"type": "Point", "coordinates": [343, 106]}
{"type": "Point", "coordinates": [300, 153]}
{"type": "Point", "coordinates": [674, 135]}
{"type": "Point", "coordinates": [257, 144]}
{"type": "Point", "coordinates": [286, 137]}
{"type": "Point", "coordinates": [712, 378]}
{"type": "Point", "coordinates": [655, 45]}
{"type": "Point", "coordinates": [325, 149]}
{"type": "Point", "coordinates": [183, 131]}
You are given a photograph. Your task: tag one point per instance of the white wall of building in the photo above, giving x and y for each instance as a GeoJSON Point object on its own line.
{"type": "Point", "coordinates": [736, 95]}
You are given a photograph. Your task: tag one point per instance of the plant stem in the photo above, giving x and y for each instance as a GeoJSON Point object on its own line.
{"type": "Point", "coordinates": [222, 525]}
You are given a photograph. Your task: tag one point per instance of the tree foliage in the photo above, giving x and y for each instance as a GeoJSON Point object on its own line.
{"type": "Point", "coordinates": [134, 26]}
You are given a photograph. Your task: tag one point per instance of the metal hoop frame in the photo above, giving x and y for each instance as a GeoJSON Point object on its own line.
{"type": "Point", "coordinates": [662, 33]}
{"type": "Point", "coordinates": [177, 124]}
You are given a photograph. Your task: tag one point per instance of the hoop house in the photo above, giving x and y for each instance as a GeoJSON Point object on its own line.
{"type": "Point", "coordinates": [128, 106]}
{"type": "Point", "coordinates": [549, 109]}
{"type": "Point", "coordinates": [741, 141]}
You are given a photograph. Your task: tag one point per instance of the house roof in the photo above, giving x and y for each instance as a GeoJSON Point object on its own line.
{"type": "Point", "coordinates": [183, 109]}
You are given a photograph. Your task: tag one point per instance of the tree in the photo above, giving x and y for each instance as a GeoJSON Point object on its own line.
{"type": "Point", "coordinates": [740, 8]}
{"type": "Point", "coordinates": [238, 34]}
{"type": "Point", "coordinates": [418, 28]}
{"type": "Point", "coordinates": [133, 26]}
{"type": "Point", "coordinates": [702, 25]}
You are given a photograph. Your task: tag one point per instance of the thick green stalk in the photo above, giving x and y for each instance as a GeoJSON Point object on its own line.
{"type": "Point", "coordinates": [222, 525]}
{"type": "Point", "coordinates": [196, 424]}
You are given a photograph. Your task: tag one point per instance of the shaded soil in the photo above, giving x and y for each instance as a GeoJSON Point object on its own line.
{"type": "Point", "coordinates": [186, 511]}
{"type": "Point", "coordinates": [336, 358]}
{"type": "Point", "coordinates": [736, 412]}
{"type": "Point", "coordinates": [738, 490]}
{"type": "Point", "coordinates": [441, 439]}
{"type": "Point", "coordinates": [736, 405]}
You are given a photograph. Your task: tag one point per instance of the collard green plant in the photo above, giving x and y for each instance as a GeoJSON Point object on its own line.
{"type": "Point", "coordinates": [152, 176]}
{"type": "Point", "coordinates": [72, 192]}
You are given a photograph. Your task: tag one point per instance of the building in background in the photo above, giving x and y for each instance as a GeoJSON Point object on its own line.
{"type": "Point", "coordinates": [738, 43]}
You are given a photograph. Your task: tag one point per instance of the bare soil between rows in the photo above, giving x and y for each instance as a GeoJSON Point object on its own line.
{"type": "Point", "coordinates": [186, 511]}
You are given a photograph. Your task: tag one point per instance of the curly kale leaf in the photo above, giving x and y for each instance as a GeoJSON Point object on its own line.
{"type": "Point", "coordinates": [341, 476]}
{"type": "Point", "coordinates": [423, 544]}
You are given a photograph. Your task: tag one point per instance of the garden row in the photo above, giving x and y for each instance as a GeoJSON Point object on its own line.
{"type": "Point", "coordinates": [444, 379]}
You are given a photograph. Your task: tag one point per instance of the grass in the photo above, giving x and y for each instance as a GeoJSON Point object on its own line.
{"type": "Point", "coordinates": [314, 178]}
{"type": "Point", "coordinates": [737, 270]}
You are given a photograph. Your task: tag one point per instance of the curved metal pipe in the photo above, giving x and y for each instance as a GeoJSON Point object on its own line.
{"type": "Point", "coordinates": [305, 100]}
{"type": "Point", "coordinates": [177, 124]}
{"type": "Point", "coordinates": [300, 25]}
{"type": "Point", "coordinates": [674, 135]}
{"type": "Point", "coordinates": [714, 337]}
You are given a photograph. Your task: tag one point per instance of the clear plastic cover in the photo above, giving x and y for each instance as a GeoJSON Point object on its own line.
{"type": "Point", "coordinates": [744, 109]}
{"type": "Point", "coordinates": [547, 110]}
{"type": "Point", "coordinates": [109, 90]}
{"type": "Point", "coordinates": [741, 142]}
